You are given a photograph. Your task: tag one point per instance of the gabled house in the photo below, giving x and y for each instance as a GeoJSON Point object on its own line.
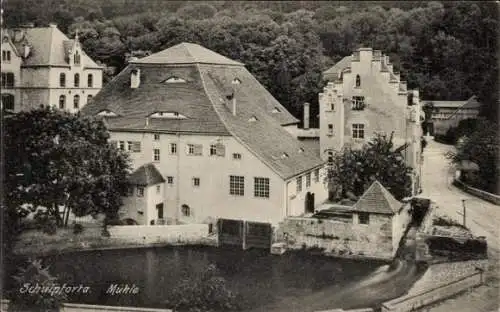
{"type": "Point", "coordinates": [365, 96]}
{"type": "Point", "coordinates": [144, 202]}
{"type": "Point", "coordinates": [42, 66]}
{"type": "Point", "coordinates": [216, 135]}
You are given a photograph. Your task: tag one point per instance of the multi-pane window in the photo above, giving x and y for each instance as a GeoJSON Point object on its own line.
{"type": "Point", "coordinates": [217, 150]}
{"type": "Point", "coordinates": [332, 106]}
{"type": "Point", "coordinates": [364, 218]}
{"type": "Point", "coordinates": [62, 101]}
{"type": "Point", "coordinates": [358, 131]}
{"type": "Point", "coordinates": [358, 81]}
{"type": "Point", "coordinates": [237, 185]}
{"type": "Point", "coordinates": [156, 137]}
{"type": "Point", "coordinates": [358, 102]}
{"type": "Point", "coordinates": [77, 80]}
{"type": "Point", "coordinates": [134, 146]}
{"type": "Point", "coordinates": [122, 145]}
{"type": "Point", "coordinates": [186, 211]}
{"type": "Point", "coordinates": [299, 184]}
{"type": "Point", "coordinates": [158, 189]}
{"type": "Point", "coordinates": [194, 149]}
{"type": "Point", "coordinates": [89, 98]}
{"type": "Point", "coordinates": [330, 156]}
{"type": "Point", "coordinates": [76, 101]}
{"type": "Point", "coordinates": [237, 156]}
{"type": "Point", "coordinates": [330, 129]}
{"type": "Point", "coordinates": [76, 58]}
{"type": "Point", "coordinates": [8, 101]}
{"type": "Point", "coordinates": [6, 56]}
{"type": "Point", "coordinates": [308, 180]}
{"type": "Point", "coordinates": [196, 182]}
{"type": "Point", "coordinates": [156, 154]}
{"type": "Point", "coordinates": [261, 187]}
{"type": "Point", "coordinates": [170, 180]}
{"type": "Point", "coordinates": [62, 80]}
{"type": "Point", "coordinates": [140, 191]}
{"type": "Point", "coordinates": [213, 150]}
{"type": "Point", "coordinates": [173, 148]}
{"type": "Point", "coordinates": [316, 175]}
{"type": "Point", "coordinates": [7, 80]}
{"type": "Point", "coordinates": [90, 80]}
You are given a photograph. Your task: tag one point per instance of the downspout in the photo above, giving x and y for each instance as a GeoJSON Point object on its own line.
{"type": "Point", "coordinates": [286, 198]}
{"type": "Point", "coordinates": [177, 178]}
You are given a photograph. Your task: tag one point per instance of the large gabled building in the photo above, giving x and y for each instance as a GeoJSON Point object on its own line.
{"type": "Point", "coordinates": [365, 96]}
{"type": "Point", "coordinates": [214, 133]}
{"type": "Point", "coordinates": [42, 66]}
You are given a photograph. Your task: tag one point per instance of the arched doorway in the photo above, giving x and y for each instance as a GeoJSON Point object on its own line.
{"type": "Point", "coordinates": [309, 202]}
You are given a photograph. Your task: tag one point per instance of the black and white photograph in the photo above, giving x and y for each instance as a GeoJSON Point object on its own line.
{"type": "Point", "coordinates": [249, 156]}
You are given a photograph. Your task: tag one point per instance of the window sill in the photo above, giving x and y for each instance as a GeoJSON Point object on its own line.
{"type": "Point", "coordinates": [329, 134]}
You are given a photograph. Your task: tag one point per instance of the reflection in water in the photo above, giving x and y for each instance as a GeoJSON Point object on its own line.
{"type": "Point", "coordinates": [264, 282]}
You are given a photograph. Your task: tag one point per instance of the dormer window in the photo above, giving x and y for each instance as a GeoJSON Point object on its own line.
{"type": "Point", "coordinates": [107, 113]}
{"type": "Point", "coordinates": [275, 110]}
{"type": "Point", "coordinates": [301, 150]}
{"type": "Point", "coordinates": [284, 155]}
{"type": "Point", "coordinates": [168, 115]}
{"type": "Point", "coordinates": [76, 58]}
{"type": "Point", "coordinates": [358, 81]}
{"type": "Point", "coordinates": [62, 80]}
{"type": "Point", "coordinates": [252, 119]}
{"type": "Point", "coordinates": [236, 81]}
{"type": "Point", "coordinates": [175, 79]}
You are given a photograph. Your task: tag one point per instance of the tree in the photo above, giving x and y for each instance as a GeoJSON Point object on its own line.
{"type": "Point", "coordinates": [56, 159]}
{"type": "Point", "coordinates": [482, 148]}
{"type": "Point", "coordinates": [353, 171]}
{"type": "Point", "coordinates": [205, 292]}
{"type": "Point", "coordinates": [35, 275]}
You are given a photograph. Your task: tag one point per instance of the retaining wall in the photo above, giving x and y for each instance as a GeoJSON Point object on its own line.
{"type": "Point", "coordinates": [76, 307]}
{"type": "Point", "coordinates": [337, 238]}
{"type": "Point", "coordinates": [441, 292]}
{"type": "Point", "coordinates": [492, 198]}
{"type": "Point", "coordinates": [163, 234]}
{"type": "Point", "coordinates": [355, 310]}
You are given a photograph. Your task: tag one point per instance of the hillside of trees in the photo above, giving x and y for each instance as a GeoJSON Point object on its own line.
{"type": "Point", "coordinates": [448, 50]}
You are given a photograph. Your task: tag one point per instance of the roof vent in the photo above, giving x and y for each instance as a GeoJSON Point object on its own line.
{"type": "Point", "coordinates": [301, 150]}
{"type": "Point", "coordinates": [175, 79]}
{"type": "Point", "coordinates": [253, 119]}
{"type": "Point", "coordinates": [284, 155]}
{"type": "Point", "coordinates": [275, 110]}
{"type": "Point", "coordinates": [135, 78]}
{"type": "Point", "coordinates": [236, 81]}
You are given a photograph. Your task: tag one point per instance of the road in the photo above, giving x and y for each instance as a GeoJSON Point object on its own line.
{"type": "Point", "coordinates": [482, 218]}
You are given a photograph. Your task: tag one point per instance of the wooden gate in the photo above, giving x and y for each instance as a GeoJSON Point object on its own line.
{"type": "Point", "coordinates": [230, 232]}
{"type": "Point", "coordinates": [257, 235]}
{"type": "Point", "coordinates": [244, 234]}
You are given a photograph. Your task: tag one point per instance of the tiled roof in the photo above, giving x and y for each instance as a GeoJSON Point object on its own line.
{"type": "Point", "coordinates": [203, 99]}
{"type": "Point", "coordinates": [48, 46]}
{"type": "Point", "coordinates": [339, 66]}
{"type": "Point", "coordinates": [377, 199]}
{"type": "Point", "coordinates": [146, 175]}
{"type": "Point", "coordinates": [186, 53]}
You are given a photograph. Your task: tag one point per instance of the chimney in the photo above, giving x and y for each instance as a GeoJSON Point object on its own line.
{"type": "Point", "coordinates": [147, 121]}
{"type": "Point", "coordinates": [235, 84]}
{"type": "Point", "coordinates": [306, 116]}
{"type": "Point", "coordinates": [135, 78]}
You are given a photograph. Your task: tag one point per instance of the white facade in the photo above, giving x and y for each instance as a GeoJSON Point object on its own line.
{"type": "Point", "coordinates": [202, 182]}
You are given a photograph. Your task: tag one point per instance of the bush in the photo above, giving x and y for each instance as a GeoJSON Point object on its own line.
{"type": "Point", "coordinates": [35, 274]}
{"type": "Point", "coordinates": [446, 221]}
{"type": "Point", "coordinates": [77, 228]}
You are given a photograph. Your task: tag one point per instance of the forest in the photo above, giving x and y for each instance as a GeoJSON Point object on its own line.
{"type": "Point", "coordinates": [447, 50]}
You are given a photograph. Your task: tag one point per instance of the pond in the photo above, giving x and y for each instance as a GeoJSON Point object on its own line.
{"type": "Point", "coordinates": [262, 282]}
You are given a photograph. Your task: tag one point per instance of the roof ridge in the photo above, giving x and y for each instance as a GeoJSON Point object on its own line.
{"type": "Point", "coordinates": [186, 47]}
{"type": "Point", "coordinates": [231, 131]}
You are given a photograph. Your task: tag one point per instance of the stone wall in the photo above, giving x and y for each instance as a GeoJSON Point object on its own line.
{"type": "Point", "coordinates": [338, 238]}
{"type": "Point", "coordinates": [438, 293]}
{"type": "Point", "coordinates": [76, 307]}
{"type": "Point", "coordinates": [161, 234]}
{"type": "Point", "coordinates": [492, 198]}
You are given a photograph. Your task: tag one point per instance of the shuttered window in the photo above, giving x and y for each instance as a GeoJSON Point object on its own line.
{"type": "Point", "coordinates": [194, 149]}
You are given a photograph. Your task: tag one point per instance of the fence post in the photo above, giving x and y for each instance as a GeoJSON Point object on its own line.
{"type": "Point", "coordinates": [481, 271]}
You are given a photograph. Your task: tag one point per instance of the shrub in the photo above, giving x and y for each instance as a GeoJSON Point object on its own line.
{"type": "Point", "coordinates": [45, 222]}
{"type": "Point", "coordinates": [35, 274]}
{"type": "Point", "coordinates": [77, 228]}
{"type": "Point", "coordinates": [446, 221]}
